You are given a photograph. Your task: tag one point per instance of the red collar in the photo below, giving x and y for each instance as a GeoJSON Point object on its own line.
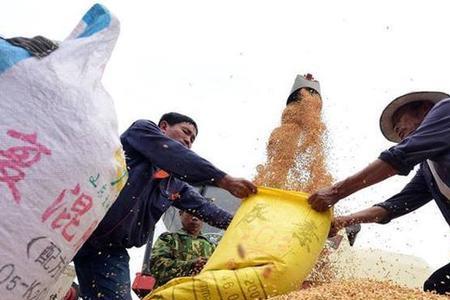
{"type": "Point", "coordinates": [160, 174]}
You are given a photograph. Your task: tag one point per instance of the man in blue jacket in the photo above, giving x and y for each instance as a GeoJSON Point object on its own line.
{"type": "Point", "coordinates": [420, 123]}
{"type": "Point", "coordinates": [159, 164]}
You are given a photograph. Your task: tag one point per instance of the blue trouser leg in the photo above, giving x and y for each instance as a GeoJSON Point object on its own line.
{"type": "Point", "coordinates": [439, 281]}
{"type": "Point", "coordinates": [103, 274]}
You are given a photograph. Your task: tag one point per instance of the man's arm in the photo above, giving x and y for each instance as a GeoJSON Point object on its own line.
{"type": "Point", "coordinates": [372, 214]}
{"type": "Point", "coordinates": [197, 205]}
{"type": "Point", "coordinates": [375, 172]}
{"type": "Point", "coordinates": [146, 138]}
{"type": "Point", "coordinates": [414, 195]}
{"type": "Point", "coordinates": [164, 265]}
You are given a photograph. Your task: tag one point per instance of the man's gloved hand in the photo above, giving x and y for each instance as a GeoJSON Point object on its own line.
{"type": "Point", "coordinates": [239, 187]}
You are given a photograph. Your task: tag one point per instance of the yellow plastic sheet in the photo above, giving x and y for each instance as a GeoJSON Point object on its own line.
{"type": "Point", "coordinates": [269, 248]}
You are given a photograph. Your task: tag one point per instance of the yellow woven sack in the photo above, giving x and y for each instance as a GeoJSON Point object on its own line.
{"type": "Point", "coordinates": [269, 248]}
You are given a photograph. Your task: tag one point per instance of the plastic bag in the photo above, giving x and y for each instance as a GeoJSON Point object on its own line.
{"type": "Point", "coordinates": [269, 248]}
{"type": "Point", "coordinates": [61, 161]}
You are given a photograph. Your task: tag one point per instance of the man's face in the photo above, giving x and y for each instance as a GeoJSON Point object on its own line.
{"type": "Point", "coordinates": [190, 223]}
{"type": "Point", "coordinates": [184, 132]}
{"type": "Point", "coordinates": [407, 121]}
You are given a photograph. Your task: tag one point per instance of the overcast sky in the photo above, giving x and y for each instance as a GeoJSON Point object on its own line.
{"type": "Point", "coordinates": [231, 64]}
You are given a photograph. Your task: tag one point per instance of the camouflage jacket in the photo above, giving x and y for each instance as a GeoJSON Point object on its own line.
{"type": "Point", "coordinates": [174, 254]}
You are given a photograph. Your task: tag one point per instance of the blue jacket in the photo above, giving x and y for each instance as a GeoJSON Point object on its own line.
{"type": "Point", "coordinates": [145, 198]}
{"type": "Point", "coordinates": [430, 141]}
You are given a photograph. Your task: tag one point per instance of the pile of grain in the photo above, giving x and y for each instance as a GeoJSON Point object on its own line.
{"type": "Point", "coordinates": [360, 290]}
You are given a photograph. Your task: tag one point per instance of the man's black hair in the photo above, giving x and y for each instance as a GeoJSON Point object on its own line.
{"type": "Point", "coordinates": [175, 118]}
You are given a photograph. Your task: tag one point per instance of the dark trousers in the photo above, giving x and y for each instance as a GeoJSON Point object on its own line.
{"type": "Point", "coordinates": [103, 273]}
{"type": "Point", "coordinates": [439, 281]}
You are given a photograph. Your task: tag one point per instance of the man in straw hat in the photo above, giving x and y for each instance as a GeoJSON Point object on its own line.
{"type": "Point", "coordinates": [420, 123]}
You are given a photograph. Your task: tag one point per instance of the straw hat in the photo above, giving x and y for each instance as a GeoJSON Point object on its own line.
{"type": "Point", "coordinates": [386, 125]}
